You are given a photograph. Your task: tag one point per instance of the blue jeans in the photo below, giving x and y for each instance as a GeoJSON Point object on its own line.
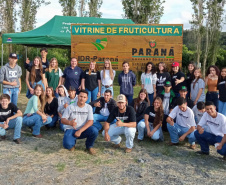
{"type": "Point", "coordinates": [129, 99]}
{"type": "Point", "coordinates": [28, 94]}
{"type": "Point", "coordinates": [176, 131]}
{"type": "Point", "coordinates": [35, 121]}
{"type": "Point", "coordinates": [55, 94]}
{"type": "Point", "coordinates": [15, 123]}
{"type": "Point", "coordinates": [212, 96]}
{"type": "Point", "coordinates": [53, 122]}
{"type": "Point", "coordinates": [222, 107]}
{"type": "Point", "coordinates": [90, 133]}
{"type": "Point", "coordinates": [97, 118]}
{"type": "Point", "coordinates": [61, 125]}
{"type": "Point", "coordinates": [142, 130]}
{"type": "Point", "coordinates": [103, 89]}
{"type": "Point", "coordinates": [151, 97]}
{"type": "Point", "coordinates": [92, 95]}
{"type": "Point", "coordinates": [207, 139]}
{"type": "Point", "coordinates": [13, 93]}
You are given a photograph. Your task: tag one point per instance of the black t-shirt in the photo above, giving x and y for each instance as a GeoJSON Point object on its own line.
{"type": "Point", "coordinates": [222, 91]}
{"type": "Point", "coordinates": [128, 116]}
{"type": "Point", "coordinates": [38, 73]}
{"type": "Point", "coordinates": [51, 108]}
{"type": "Point", "coordinates": [189, 78]}
{"type": "Point", "coordinates": [178, 76]}
{"type": "Point", "coordinates": [6, 113]}
{"type": "Point", "coordinates": [151, 112]}
{"type": "Point", "coordinates": [91, 81]}
{"type": "Point", "coordinates": [161, 79]}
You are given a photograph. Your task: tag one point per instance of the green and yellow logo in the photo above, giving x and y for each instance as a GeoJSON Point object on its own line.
{"type": "Point", "coordinates": [100, 43]}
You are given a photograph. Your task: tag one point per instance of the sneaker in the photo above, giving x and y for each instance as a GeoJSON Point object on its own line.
{"type": "Point", "coordinates": [38, 136]}
{"type": "Point", "coordinates": [193, 147]}
{"type": "Point", "coordinates": [3, 137]}
{"type": "Point", "coordinates": [17, 141]}
{"type": "Point", "coordinates": [116, 145]}
{"type": "Point", "coordinates": [91, 151]}
{"type": "Point", "coordinates": [173, 144]}
{"type": "Point", "coordinates": [202, 153]}
{"type": "Point", "coordinates": [128, 150]}
{"type": "Point", "coordinates": [72, 149]}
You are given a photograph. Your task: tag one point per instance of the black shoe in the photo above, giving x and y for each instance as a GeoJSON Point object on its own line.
{"type": "Point", "coordinates": [17, 141]}
{"type": "Point", "coordinates": [202, 153]}
{"type": "Point", "coordinates": [173, 144]}
{"type": "Point", "coordinates": [3, 137]}
{"type": "Point", "coordinates": [224, 158]}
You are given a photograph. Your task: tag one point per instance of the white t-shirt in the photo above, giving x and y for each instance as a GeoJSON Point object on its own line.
{"type": "Point", "coordinates": [81, 115]}
{"type": "Point", "coordinates": [165, 103]}
{"type": "Point", "coordinates": [184, 119]}
{"type": "Point", "coordinates": [216, 126]}
{"type": "Point", "coordinates": [148, 80]}
{"type": "Point", "coordinates": [107, 80]}
{"type": "Point", "coordinates": [104, 111]}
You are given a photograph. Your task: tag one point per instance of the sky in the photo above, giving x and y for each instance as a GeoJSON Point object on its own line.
{"type": "Point", "coordinates": [175, 11]}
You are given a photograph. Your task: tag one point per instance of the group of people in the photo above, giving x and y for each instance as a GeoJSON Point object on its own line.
{"type": "Point", "coordinates": [80, 101]}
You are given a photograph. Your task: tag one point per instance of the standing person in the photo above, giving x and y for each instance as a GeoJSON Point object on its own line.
{"type": "Point", "coordinates": [107, 76]}
{"type": "Point", "coordinates": [10, 78]}
{"type": "Point", "coordinates": [197, 87]}
{"type": "Point", "coordinates": [126, 81]}
{"type": "Point", "coordinates": [211, 80]}
{"type": "Point", "coordinates": [153, 118]}
{"type": "Point", "coordinates": [10, 117]}
{"type": "Point", "coordinates": [125, 124]}
{"type": "Point", "coordinates": [91, 81]}
{"type": "Point", "coordinates": [184, 125]}
{"type": "Point", "coordinates": [78, 121]}
{"type": "Point", "coordinates": [62, 100]}
{"type": "Point", "coordinates": [190, 76]}
{"type": "Point", "coordinates": [72, 76]}
{"type": "Point", "coordinates": [45, 63]}
{"type": "Point", "coordinates": [216, 132]}
{"type": "Point", "coordinates": [34, 116]}
{"type": "Point", "coordinates": [162, 77]}
{"type": "Point", "coordinates": [148, 80]}
{"type": "Point", "coordinates": [222, 92]}
{"type": "Point", "coordinates": [168, 97]}
{"type": "Point", "coordinates": [54, 75]}
{"type": "Point", "coordinates": [35, 75]}
{"type": "Point", "coordinates": [51, 106]}
{"type": "Point", "coordinates": [140, 104]}
{"type": "Point", "coordinates": [177, 78]}
{"type": "Point", "coordinates": [104, 106]}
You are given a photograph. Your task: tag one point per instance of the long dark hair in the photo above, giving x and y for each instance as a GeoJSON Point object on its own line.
{"type": "Point", "coordinates": [153, 70]}
{"type": "Point", "coordinates": [164, 65]}
{"type": "Point", "coordinates": [192, 76]}
{"type": "Point", "coordinates": [137, 100]}
{"type": "Point", "coordinates": [159, 114]}
{"type": "Point", "coordinates": [33, 73]}
{"type": "Point", "coordinates": [220, 79]}
{"type": "Point", "coordinates": [216, 69]}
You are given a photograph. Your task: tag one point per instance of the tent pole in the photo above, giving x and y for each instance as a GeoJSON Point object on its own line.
{"type": "Point", "coordinates": [2, 63]}
{"type": "Point", "coordinates": [25, 60]}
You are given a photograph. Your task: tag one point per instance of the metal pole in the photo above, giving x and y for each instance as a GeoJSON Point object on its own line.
{"type": "Point", "coordinates": [25, 60]}
{"type": "Point", "coordinates": [2, 64]}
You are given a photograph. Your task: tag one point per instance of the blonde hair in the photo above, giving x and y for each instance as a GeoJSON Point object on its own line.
{"type": "Point", "coordinates": [110, 69]}
{"type": "Point", "coordinates": [50, 69]}
{"type": "Point", "coordinates": [41, 97]}
{"type": "Point", "coordinates": [95, 69]}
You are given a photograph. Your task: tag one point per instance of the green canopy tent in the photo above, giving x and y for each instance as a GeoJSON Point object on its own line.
{"type": "Point", "coordinates": [55, 33]}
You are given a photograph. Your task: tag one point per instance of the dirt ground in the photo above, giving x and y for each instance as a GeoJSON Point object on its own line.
{"type": "Point", "coordinates": [44, 161]}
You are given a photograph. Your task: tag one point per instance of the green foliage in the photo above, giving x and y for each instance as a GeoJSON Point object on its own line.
{"type": "Point", "coordinates": [69, 7]}
{"type": "Point", "coordinates": [143, 11]}
{"type": "Point", "coordinates": [187, 56]}
{"type": "Point", "coordinates": [94, 6]}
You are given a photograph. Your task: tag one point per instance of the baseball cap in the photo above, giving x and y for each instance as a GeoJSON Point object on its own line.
{"type": "Point", "coordinates": [183, 88]}
{"type": "Point", "coordinates": [71, 88]}
{"type": "Point", "coordinates": [175, 64]}
{"type": "Point", "coordinates": [167, 84]}
{"type": "Point", "coordinates": [13, 55]}
{"type": "Point", "coordinates": [121, 98]}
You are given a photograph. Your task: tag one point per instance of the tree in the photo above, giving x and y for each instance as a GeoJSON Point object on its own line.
{"type": "Point", "coordinates": [82, 5]}
{"type": "Point", "coordinates": [28, 11]}
{"type": "Point", "coordinates": [143, 11]}
{"type": "Point", "coordinates": [69, 7]}
{"type": "Point", "coordinates": [94, 6]}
